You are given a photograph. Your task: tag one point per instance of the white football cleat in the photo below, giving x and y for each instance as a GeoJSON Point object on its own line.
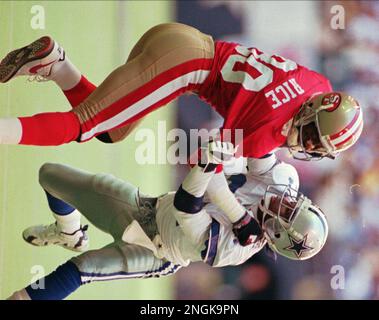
{"type": "Point", "coordinates": [51, 234]}
{"type": "Point", "coordinates": [35, 59]}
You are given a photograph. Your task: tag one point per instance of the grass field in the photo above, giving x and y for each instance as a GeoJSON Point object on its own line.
{"type": "Point", "coordinates": [97, 35]}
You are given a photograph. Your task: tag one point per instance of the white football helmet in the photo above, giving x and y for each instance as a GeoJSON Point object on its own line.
{"type": "Point", "coordinates": [293, 226]}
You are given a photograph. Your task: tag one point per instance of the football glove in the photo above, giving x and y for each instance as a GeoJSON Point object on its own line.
{"type": "Point", "coordinates": [247, 230]}
{"type": "Point", "coordinates": [217, 152]}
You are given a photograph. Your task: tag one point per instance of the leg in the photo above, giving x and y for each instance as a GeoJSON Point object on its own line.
{"type": "Point", "coordinates": [121, 261]}
{"type": "Point", "coordinates": [77, 88]}
{"type": "Point", "coordinates": [107, 202]}
{"type": "Point", "coordinates": [169, 60]}
{"type": "Point", "coordinates": [44, 59]}
{"type": "Point", "coordinates": [78, 93]}
{"type": "Point", "coordinates": [44, 129]}
{"type": "Point", "coordinates": [115, 261]}
{"type": "Point", "coordinates": [66, 231]}
{"type": "Point", "coordinates": [84, 88]}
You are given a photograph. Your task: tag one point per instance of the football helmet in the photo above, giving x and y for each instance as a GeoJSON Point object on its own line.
{"type": "Point", "coordinates": [325, 125]}
{"type": "Point", "coordinates": [293, 226]}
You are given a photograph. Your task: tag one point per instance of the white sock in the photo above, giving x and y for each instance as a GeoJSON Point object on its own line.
{"type": "Point", "coordinates": [10, 131]}
{"type": "Point", "coordinates": [68, 223]}
{"type": "Point", "coordinates": [65, 74]}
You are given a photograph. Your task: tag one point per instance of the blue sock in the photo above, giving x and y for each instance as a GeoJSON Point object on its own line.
{"type": "Point", "coordinates": [58, 284]}
{"type": "Point", "coordinates": [58, 206]}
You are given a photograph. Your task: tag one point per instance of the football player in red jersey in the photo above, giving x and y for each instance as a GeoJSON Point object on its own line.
{"type": "Point", "coordinates": [276, 102]}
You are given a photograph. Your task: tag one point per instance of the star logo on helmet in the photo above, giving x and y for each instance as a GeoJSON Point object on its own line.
{"type": "Point", "coordinates": [298, 246]}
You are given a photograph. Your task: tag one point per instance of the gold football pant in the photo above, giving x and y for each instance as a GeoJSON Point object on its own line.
{"type": "Point", "coordinates": [169, 60]}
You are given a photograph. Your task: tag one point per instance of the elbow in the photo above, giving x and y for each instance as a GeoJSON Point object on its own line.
{"type": "Point", "coordinates": [186, 202]}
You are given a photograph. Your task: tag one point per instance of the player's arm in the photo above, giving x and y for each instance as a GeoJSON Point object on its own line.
{"type": "Point", "coordinates": [245, 227]}
{"type": "Point", "coordinates": [188, 200]}
{"type": "Point", "coordinates": [220, 195]}
{"type": "Point", "coordinates": [218, 188]}
{"type": "Point", "coordinates": [260, 166]}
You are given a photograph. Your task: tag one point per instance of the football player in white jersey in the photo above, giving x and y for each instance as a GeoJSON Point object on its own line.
{"type": "Point", "coordinates": [154, 237]}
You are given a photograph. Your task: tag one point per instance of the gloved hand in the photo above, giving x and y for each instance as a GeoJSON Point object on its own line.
{"type": "Point", "coordinates": [247, 230]}
{"type": "Point", "coordinates": [217, 152]}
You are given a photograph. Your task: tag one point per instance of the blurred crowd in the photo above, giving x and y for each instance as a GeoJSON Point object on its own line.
{"type": "Point", "coordinates": [347, 188]}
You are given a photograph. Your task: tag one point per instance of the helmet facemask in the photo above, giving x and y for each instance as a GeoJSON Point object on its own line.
{"type": "Point", "coordinates": [283, 208]}
{"type": "Point", "coordinates": [305, 128]}
{"type": "Point", "coordinates": [281, 202]}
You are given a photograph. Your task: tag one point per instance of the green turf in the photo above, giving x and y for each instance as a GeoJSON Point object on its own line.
{"type": "Point", "coordinates": [97, 35]}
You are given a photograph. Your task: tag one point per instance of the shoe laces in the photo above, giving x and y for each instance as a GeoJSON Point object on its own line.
{"type": "Point", "coordinates": [38, 78]}
{"type": "Point", "coordinates": [83, 229]}
{"type": "Point", "coordinates": [146, 210]}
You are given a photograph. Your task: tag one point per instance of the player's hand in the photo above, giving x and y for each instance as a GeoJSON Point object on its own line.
{"type": "Point", "coordinates": [247, 230]}
{"type": "Point", "coordinates": [217, 152]}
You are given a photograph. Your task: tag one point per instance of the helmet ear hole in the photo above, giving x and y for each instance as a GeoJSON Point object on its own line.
{"type": "Point", "coordinates": [277, 235]}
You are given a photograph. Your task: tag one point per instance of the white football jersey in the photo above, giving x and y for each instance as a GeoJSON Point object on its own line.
{"type": "Point", "coordinates": [207, 235]}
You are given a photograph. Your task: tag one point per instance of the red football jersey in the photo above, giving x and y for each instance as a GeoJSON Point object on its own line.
{"type": "Point", "coordinates": [258, 93]}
